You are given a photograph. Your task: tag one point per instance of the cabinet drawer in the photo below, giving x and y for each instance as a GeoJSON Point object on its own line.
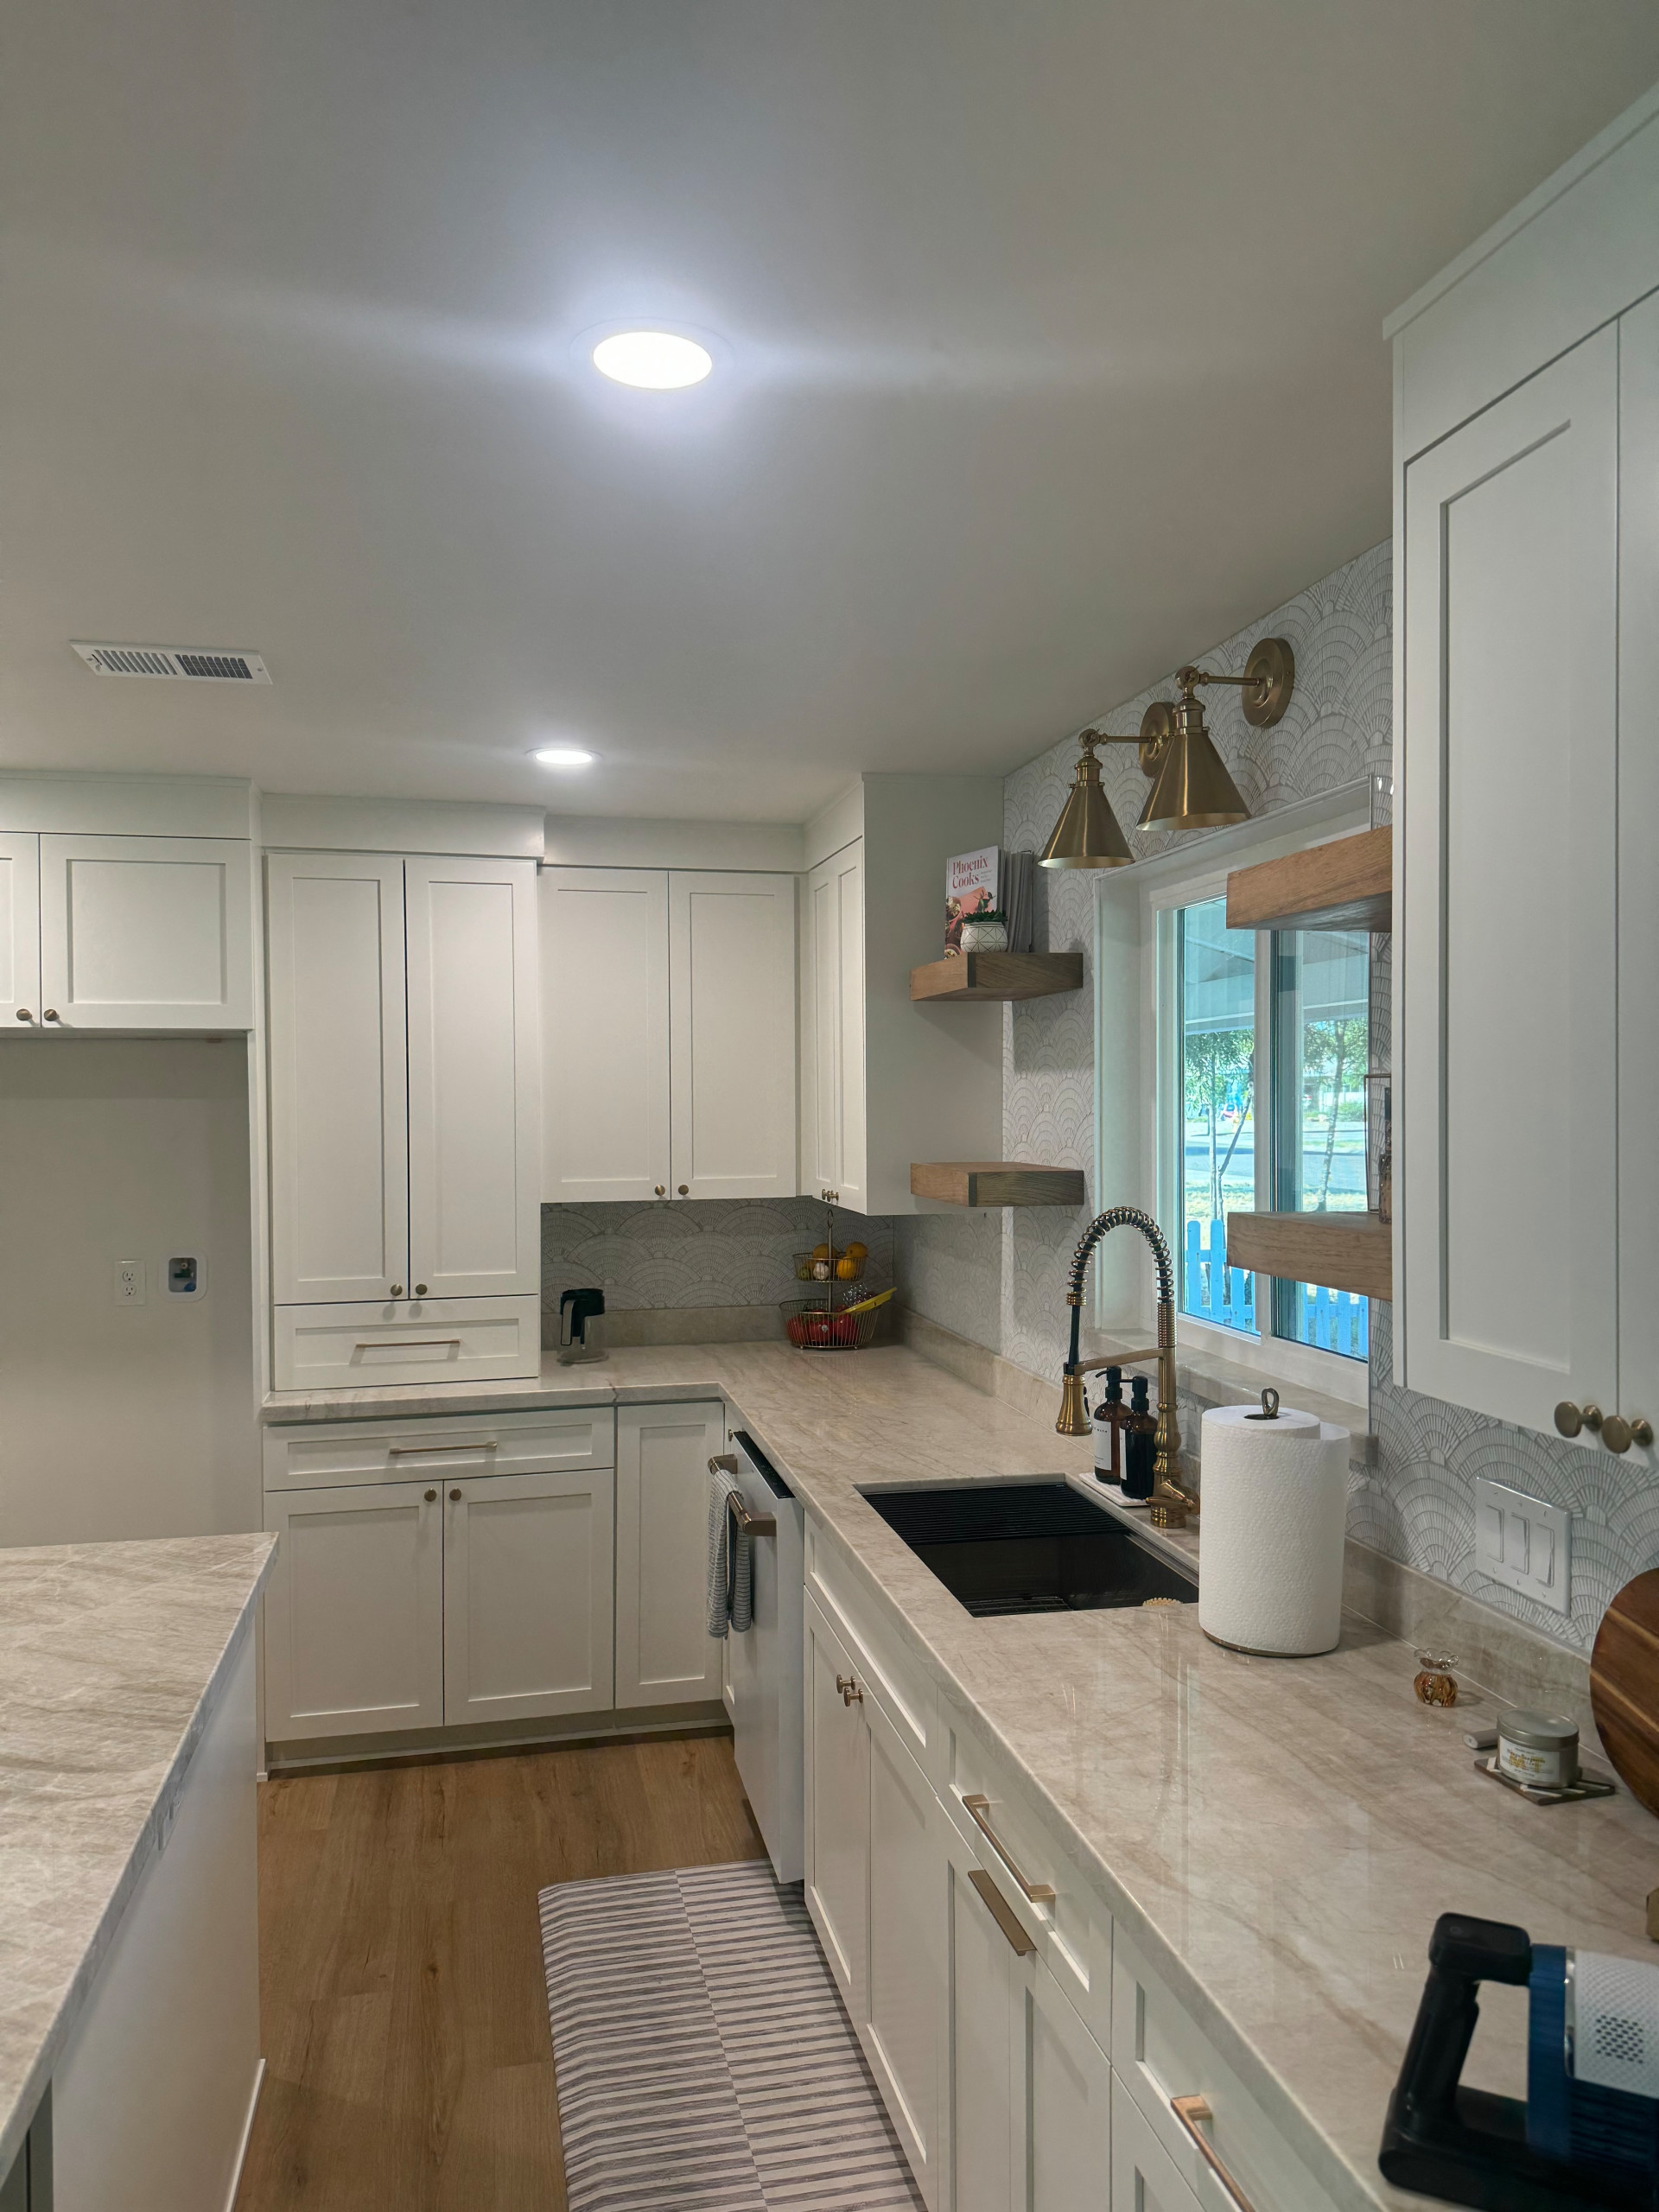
{"type": "Point", "coordinates": [311, 1455]}
{"type": "Point", "coordinates": [898, 1678]}
{"type": "Point", "coordinates": [1160, 2054]}
{"type": "Point", "coordinates": [1072, 1929]}
{"type": "Point", "coordinates": [366, 1346]}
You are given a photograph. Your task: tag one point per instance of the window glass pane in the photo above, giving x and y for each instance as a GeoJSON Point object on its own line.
{"type": "Point", "coordinates": [1216, 999]}
{"type": "Point", "coordinates": [1321, 1051]}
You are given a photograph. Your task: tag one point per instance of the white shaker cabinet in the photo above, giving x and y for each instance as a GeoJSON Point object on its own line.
{"type": "Point", "coordinates": [527, 1595]}
{"type": "Point", "coordinates": [731, 967]}
{"type": "Point", "coordinates": [339, 1079]}
{"type": "Point", "coordinates": [837, 1825]}
{"type": "Point", "coordinates": [145, 933]}
{"type": "Point", "coordinates": [1507, 1099]}
{"type": "Point", "coordinates": [665, 1654]}
{"type": "Point", "coordinates": [474, 1078]}
{"type": "Point", "coordinates": [354, 1611]}
{"type": "Point", "coordinates": [604, 1034]}
{"type": "Point", "coordinates": [1526, 773]}
{"type": "Point", "coordinates": [668, 1034]}
{"type": "Point", "coordinates": [19, 929]}
{"type": "Point", "coordinates": [834, 1027]}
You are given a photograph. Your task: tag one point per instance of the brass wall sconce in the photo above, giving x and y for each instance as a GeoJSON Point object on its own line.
{"type": "Point", "coordinates": [1190, 787]}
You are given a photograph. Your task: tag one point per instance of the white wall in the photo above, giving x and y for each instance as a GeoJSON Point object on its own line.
{"type": "Point", "coordinates": [122, 1421]}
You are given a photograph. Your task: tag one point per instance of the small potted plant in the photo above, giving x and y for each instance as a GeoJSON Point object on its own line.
{"type": "Point", "coordinates": [986, 932]}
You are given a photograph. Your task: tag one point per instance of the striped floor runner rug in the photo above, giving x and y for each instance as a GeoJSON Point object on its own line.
{"type": "Point", "coordinates": [704, 2060]}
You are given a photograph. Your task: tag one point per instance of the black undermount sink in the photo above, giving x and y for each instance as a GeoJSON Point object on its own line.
{"type": "Point", "coordinates": [1028, 1547]}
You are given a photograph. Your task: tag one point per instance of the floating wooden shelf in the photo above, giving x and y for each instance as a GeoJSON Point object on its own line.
{"type": "Point", "coordinates": [995, 1182]}
{"type": "Point", "coordinates": [1346, 885]}
{"type": "Point", "coordinates": [998, 975]}
{"type": "Point", "coordinates": [1341, 1251]}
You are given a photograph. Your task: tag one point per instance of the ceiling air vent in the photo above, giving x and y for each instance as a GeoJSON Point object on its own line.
{"type": "Point", "coordinates": [177, 664]}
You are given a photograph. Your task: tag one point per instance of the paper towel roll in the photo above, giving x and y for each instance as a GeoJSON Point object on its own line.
{"type": "Point", "coordinates": [1275, 1510]}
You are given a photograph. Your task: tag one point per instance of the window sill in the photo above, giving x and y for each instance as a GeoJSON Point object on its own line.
{"type": "Point", "coordinates": [1203, 1373]}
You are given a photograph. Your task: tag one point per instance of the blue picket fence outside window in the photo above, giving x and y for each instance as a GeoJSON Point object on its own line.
{"type": "Point", "coordinates": [1334, 1320]}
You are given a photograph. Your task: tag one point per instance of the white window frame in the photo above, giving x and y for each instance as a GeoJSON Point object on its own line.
{"type": "Point", "coordinates": [1193, 873]}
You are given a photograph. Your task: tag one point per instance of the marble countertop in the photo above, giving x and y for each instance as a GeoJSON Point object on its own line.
{"type": "Point", "coordinates": [111, 1659]}
{"type": "Point", "coordinates": [1276, 1836]}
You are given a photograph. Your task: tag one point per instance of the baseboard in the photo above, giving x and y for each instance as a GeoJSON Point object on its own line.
{"type": "Point", "coordinates": [247, 2136]}
{"type": "Point", "coordinates": [435, 1747]}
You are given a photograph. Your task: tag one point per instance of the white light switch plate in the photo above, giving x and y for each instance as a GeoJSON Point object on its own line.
{"type": "Point", "coordinates": [1522, 1542]}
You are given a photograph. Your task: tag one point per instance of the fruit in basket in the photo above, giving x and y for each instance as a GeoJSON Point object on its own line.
{"type": "Point", "coordinates": [820, 1270]}
{"type": "Point", "coordinates": [845, 1333]}
{"type": "Point", "coordinates": [820, 1330]}
{"type": "Point", "coordinates": [820, 1251]}
{"type": "Point", "coordinates": [848, 1268]}
{"type": "Point", "coordinates": [857, 1251]}
{"type": "Point", "coordinates": [795, 1330]}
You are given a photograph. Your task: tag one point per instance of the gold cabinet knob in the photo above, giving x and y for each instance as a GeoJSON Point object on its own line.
{"type": "Point", "coordinates": [397, 1290]}
{"type": "Point", "coordinates": [23, 1015]}
{"type": "Point", "coordinates": [420, 1290]}
{"type": "Point", "coordinates": [662, 1190]}
{"type": "Point", "coordinates": [51, 1014]}
{"type": "Point", "coordinates": [430, 1496]}
{"type": "Point", "coordinates": [850, 1692]}
{"type": "Point", "coordinates": [1618, 1434]}
{"type": "Point", "coordinates": [1570, 1419]}
{"type": "Point", "coordinates": [686, 1189]}
{"type": "Point", "coordinates": [455, 1497]}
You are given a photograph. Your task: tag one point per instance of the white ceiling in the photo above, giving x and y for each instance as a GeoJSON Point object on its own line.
{"type": "Point", "coordinates": [1049, 353]}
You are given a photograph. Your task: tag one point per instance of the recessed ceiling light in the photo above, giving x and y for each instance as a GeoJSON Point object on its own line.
{"type": "Point", "coordinates": [652, 360]}
{"type": "Point", "coordinates": [562, 756]}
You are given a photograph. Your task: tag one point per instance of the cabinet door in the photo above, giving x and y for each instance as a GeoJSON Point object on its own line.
{"type": "Point", "coordinates": [665, 1654]}
{"type": "Point", "coordinates": [902, 2032]}
{"type": "Point", "coordinates": [339, 1078]}
{"type": "Point", "coordinates": [834, 1148]}
{"type": "Point", "coordinates": [20, 930]}
{"type": "Point", "coordinates": [1638, 863]}
{"type": "Point", "coordinates": [731, 970]}
{"type": "Point", "coordinates": [354, 1611]}
{"type": "Point", "coordinates": [985, 2086]}
{"type": "Point", "coordinates": [1144, 2179]}
{"type": "Point", "coordinates": [604, 1034]}
{"type": "Point", "coordinates": [474, 1078]}
{"type": "Point", "coordinates": [838, 1814]}
{"type": "Point", "coordinates": [527, 1595]}
{"type": "Point", "coordinates": [1506, 1127]}
{"type": "Point", "coordinates": [147, 932]}
{"type": "Point", "coordinates": [1068, 2094]}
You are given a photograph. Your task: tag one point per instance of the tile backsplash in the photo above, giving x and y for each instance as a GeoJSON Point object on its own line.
{"type": "Point", "coordinates": [682, 1254]}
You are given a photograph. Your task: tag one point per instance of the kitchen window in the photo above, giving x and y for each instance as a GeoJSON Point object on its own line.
{"type": "Point", "coordinates": [1263, 1045]}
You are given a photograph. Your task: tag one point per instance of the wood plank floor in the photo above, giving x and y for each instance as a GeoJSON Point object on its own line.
{"type": "Point", "coordinates": [405, 2012]}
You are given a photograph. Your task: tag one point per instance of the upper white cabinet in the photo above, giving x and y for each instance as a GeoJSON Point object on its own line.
{"type": "Point", "coordinates": [338, 1062]}
{"type": "Point", "coordinates": [604, 1034]}
{"type": "Point", "coordinates": [106, 924]}
{"type": "Point", "coordinates": [1527, 551]}
{"type": "Point", "coordinates": [474, 1077]}
{"type": "Point", "coordinates": [669, 1034]}
{"type": "Point", "coordinates": [884, 1082]}
{"type": "Point", "coordinates": [405, 1069]}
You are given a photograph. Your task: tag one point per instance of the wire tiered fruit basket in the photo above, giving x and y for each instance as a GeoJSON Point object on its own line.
{"type": "Point", "coordinates": [836, 1313]}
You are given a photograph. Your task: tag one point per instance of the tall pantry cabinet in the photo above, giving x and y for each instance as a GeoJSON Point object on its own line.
{"type": "Point", "coordinates": [1527, 755]}
{"type": "Point", "coordinates": [405, 1071]}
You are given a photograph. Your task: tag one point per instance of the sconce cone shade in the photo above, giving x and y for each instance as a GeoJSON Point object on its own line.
{"type": "Point", "coordinates": [1087, 834]}
{"type": "Point", "coordinates": [1193, 790]}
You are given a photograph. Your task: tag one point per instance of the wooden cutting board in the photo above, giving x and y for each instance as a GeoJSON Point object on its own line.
{"type": "Point", "coordinates": [1624, 1686]}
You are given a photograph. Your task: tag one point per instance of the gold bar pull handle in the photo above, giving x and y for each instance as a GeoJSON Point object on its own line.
{"type": "Point", "coordinates": [976, 1806]}
{"type": "Point", "coordinates": [455, 1444]}
{"type": "Point", "coordinates": [1192, 2111]}
{"type": "Point", "coordinates": [750, 1524]}
{"type": "Point", "coordinates": [1003, 1913]}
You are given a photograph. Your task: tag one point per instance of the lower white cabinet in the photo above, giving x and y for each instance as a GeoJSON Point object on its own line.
{"type": "Point", "coordinates": [354, 1611]}
{"type": "Point", "coordinates": [527, 1595]}
{"type": "Point", "coordinates": [837, 1828]}
{"type": "Point", "coordinates": [665, 1654]}
{"type": "Point", "coordinates": [1144, 2179]}
{"type": "Point", "coordinates": [1026, 2103]}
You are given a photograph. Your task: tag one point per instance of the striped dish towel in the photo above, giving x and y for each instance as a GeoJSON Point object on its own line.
{"type": "Point", "coordinates": [731, 1561]}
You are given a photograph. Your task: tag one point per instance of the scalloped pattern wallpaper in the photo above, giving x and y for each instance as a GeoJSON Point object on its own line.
{"type": "Point", "coordinates": [999, 1279]}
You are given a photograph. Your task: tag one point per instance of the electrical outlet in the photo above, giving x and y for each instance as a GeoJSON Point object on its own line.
{"type": "Point", "coordinates": [1523, 1543]}
{"type": "Point", "coordinates": [128, 1282]}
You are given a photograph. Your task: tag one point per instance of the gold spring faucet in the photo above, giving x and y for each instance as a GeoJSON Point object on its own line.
{"type": "Point", "coordinates": [1170, 1504]}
